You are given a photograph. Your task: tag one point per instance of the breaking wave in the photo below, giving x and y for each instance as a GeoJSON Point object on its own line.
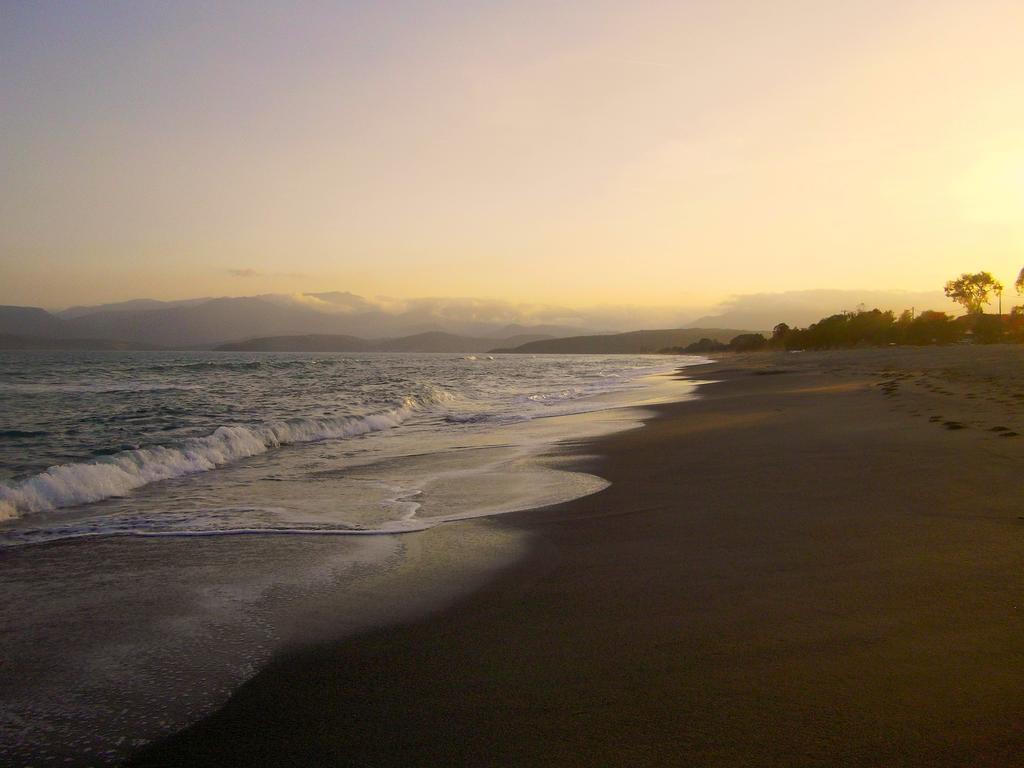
{"type": "Point", "coordinates": [72, 484]}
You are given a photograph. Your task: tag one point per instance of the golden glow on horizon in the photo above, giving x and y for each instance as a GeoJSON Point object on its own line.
{"type": "Point", "coordinates": [993, 190]}
{"type": "Point", "coordinates": [579, 153]}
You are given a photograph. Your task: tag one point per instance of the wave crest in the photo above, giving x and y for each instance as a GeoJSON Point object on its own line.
{"type": "Point", "coordinates": [72, 484]}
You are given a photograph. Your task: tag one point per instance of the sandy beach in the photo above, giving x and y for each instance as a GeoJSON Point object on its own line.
{"type": "Point", "coordinates": [816, 562]}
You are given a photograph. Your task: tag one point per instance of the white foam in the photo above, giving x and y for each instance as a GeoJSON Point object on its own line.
{"type": "Point", "coordinates": [72, 484]}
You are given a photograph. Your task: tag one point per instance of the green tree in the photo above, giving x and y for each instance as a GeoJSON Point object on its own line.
{"type": "Point", "coordinates": [748, 342]}
{"type": "Point", "coordinates": [988, 329]}
{"type": "Point", "coordinates": [972, 291]}
{"type": "Point", "coordinates": [932, 328]}
{"type": "Point", "coordinates": [1019, 282]}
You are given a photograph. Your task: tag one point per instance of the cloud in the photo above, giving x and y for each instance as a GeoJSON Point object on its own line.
{"type": "Point", "coordinates": [244, 273]}
{"type": "Point", "coordinates": [476, 316]}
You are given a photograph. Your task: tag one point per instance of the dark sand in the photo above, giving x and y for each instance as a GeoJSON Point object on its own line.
{"type": "Point", "coordinates": [801, 569]}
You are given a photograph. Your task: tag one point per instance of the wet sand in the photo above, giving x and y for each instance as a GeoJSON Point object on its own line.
{"type": "Point", "coordinates": [819, 562]}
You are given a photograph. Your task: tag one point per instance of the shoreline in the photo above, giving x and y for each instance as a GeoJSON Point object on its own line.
{"type": "Point", "coordinates": [791, 569]}
{"type": "Point", "coordinates": [106, 660]}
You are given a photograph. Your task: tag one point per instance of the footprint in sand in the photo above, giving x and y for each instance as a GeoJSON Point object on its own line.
{"type": "Point", "coordinates": [953, 425]}
{"type": "Point", "coordinates": [888, 387]}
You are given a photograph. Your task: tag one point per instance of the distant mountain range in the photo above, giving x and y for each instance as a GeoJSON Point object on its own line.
{"type": "Point", "coordinates": [208, 323]}
{"type": "Point", "coordinates": [634, 342]}
{"type": "Point", "coordinates": [281, 323]}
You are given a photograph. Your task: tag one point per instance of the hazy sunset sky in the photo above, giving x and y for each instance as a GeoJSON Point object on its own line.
{"type": "Point", "coordinates": [573, 152]}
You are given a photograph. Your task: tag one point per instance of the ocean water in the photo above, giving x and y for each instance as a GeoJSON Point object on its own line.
{"type": "Point", "coordinates": [169, 520]}
{"type": "Point", "coordinates": [79, 431]}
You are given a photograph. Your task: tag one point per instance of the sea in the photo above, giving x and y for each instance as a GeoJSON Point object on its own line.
{"type": "Point", "coordinates": [170, 520]}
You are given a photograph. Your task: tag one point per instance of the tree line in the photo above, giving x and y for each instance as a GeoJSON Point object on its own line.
{"type": "Point", "coordinates": [874, 327]}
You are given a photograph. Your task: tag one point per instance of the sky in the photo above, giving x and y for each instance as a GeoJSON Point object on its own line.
{"type": "Point", "coordinates": [580, 152]}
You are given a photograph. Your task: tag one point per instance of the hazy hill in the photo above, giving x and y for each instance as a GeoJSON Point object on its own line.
{"type": "Point", "coordinates": [447, 342]}
{"type": "Point", "coordinates": [209, 322]}
{"type": "Point", "coordinates": [11, 341]}
{"type": "Point", "coordinates": [543, 331]}
{"type": "Point", "coordinates": [635, 342]}
{"type": "Point", "coordinates": [31, 321]}
{"type": "Point", "coordinates": [134, 304]}
{"type": "Point", "coordinates": [188, 324]}
{"type": "Point", "coordinates": [279, 322]}
{"type": "Point", "coordinates": [433, 341]}
{"type": "Point", "coordinates": [264, 322]}
{"type": "Point", "coordinates": [763, 311]}
{"type": "Point", "coordinates": [313, 342]}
